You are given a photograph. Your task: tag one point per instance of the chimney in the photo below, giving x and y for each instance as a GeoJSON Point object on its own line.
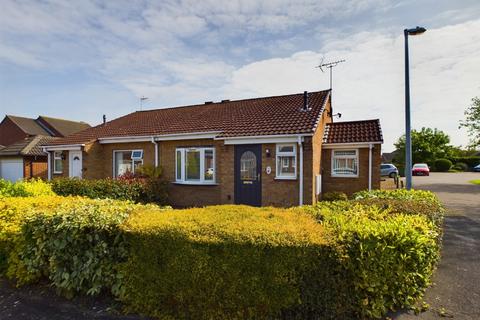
{"type": "Point", "coordinates": [104, 119]}
{"type": "Point", "coordinates": [305, 101]}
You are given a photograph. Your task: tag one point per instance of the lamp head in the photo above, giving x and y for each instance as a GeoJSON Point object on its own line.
{"type": "Point", "coordinates": [415, 31]}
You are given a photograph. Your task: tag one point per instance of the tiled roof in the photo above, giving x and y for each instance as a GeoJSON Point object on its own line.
{"type": "Point", "coordinates": [47, 126]}
{"type": "Point", "coordinates": [30, 146]}
{"type": "Point", "coordinates": [28, 125]}
{"type": "Point", "coordinates": [251, 117]}
{"type": "Point", "coordinates": [63, 127]}
{"type": "Point", "coordinates": [353, 132]}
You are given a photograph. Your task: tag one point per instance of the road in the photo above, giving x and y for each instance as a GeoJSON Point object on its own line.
{"type": "Point", "coordinates": [456, 289]}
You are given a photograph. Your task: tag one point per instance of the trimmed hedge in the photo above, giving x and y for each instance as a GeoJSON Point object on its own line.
{"type": "Point", "coordinates": [442, 165]}
{"type": "Point", "coordinates": [25, 188]}
{"type": "Point", "coordinates": [139, 190]}
{"type": "Point", "coordinates": [470, 161]}
{"type": "Point", "coordinates": [336, 260]}
{"type": "Point", "coordinates": [387, 258]}
{"type": "Point", "coordinates": [74, 242]}
{"type": "Point", "coordinates": [231, 262]}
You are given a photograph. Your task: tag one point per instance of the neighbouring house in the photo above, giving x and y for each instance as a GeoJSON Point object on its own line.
{"type": "Point", "coordinates": [21, 155]}
{"type": "Point", "coordinates": [281, 151]}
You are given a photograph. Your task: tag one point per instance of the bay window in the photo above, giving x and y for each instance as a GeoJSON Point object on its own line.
{"type": "Point", "coordinates": [286, 159]}
{"type": "Point", "coordinates": [195, 165]}
{"type": "Point", "coordinates": [126, 161]}
{"type": "Point", "coordinates": [345, 163]}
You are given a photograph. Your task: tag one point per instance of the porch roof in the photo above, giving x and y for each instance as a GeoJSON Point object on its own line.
{"type": "Point", "coordinates": [350, 132]}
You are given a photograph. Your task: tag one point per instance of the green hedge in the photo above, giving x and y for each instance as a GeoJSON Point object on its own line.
{"type": "Point", "coordinates": [25, 188]}
{"type": "Point", "coordinates": [470, 161]}
{"type": "Point", "coordinates": [231, 262]}
{"type": "Point", "coordinates": [336, 260]}
{"type": "Point", "coordinates": [442, 165]}
{"type": "Point", "coordinates": [74, 242]}
{"type": "Point", "coordinates": [388, 257]}
{"type": "Point", "coordinates": [144, 190]}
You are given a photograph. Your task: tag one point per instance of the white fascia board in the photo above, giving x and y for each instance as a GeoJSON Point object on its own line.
{"type": "Point", "coordinates": [188, 136]}
{"type": "Point", "coordinates": [125, 139]}
{"type": "Point", "coordinates": [349, 145]}
{"type": "Point", "coordinates": [291, 138]}
{"type": "Point", "coordinates": [63, 147]}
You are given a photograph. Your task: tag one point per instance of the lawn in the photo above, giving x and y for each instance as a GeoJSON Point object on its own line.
{"type": "Point", "coordinates": [475, 181]}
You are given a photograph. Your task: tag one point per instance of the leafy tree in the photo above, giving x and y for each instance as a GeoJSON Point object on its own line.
{"type": "Point", "coordinates": [427, 146]}
{"type": "Point", "coordinates": [472, 122]}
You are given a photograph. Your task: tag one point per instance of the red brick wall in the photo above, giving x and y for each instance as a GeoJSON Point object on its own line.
{"type": "Point", "coordinates": [10, 132]}
{"type": "Point", "coordinates": [352, 185]}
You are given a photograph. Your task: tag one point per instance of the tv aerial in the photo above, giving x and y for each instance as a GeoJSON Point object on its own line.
{"type": "Point", "coordinates": [329, 65]}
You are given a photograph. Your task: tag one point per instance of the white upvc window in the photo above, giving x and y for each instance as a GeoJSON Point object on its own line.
{"type": "Point", "coordinates": [57, 162]}
{"type": "Point", "coordinates": [195, 165]}
{"type": "Point", "coordinates": [286, 161]}
{"type": "Point", "coordinates": [345, 163]}
{"type": "Point", "coordinates": [126, 161]}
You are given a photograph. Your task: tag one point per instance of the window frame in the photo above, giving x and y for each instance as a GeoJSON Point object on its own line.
{"type": "Point", "coordinates": [279, 154]}
{"type": "Point", "coordinates": [342, 175]}
{"type": "Point", "coordinates": [55, 157]}
{"type": "Point", "coordinates": [183, 169]}
{"type": "Point", "coordinates": [115, 176]}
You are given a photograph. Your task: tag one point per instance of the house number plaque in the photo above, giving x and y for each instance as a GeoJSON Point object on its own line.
{"type": "Point", "coordinates": [268, 169]}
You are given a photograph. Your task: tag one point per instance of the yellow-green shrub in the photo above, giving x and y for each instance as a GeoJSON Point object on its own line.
{"type": "Point", "coordinates": [230, 262]}
{"type": "Point", "coordinates": [25, 188]}
{"type": "Point", "coordinates": [388, 256]}
{"type": "Point", "coordinates": [77, 245]}
{"type": "Point", "coordinates": [13, 212]}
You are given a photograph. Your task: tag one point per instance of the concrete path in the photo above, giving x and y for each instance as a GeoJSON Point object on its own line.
{"type": "Point", "coordinates": [456, 289]}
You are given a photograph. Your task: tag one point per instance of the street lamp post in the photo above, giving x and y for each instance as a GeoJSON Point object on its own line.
{"type": "Point", "coordinates": [408, 138]}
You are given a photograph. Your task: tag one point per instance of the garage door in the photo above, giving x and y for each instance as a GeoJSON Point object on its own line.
{"type": "Point", "coordinates": [11, 169]}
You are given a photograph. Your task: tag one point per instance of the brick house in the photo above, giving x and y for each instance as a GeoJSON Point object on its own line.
{"type": "Point", "coordinates": [21, 155]}
{"type": "Point", "coordinates": [281, 151]}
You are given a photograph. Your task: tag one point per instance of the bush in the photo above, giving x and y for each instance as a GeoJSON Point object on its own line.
{"type": "Point", "coordinates": [334, 196]}
{"type": "Point", "coordinates": [387, 258]}
{"type": "Point", "coordinates": [140, 190]}
{"type": "Point", "coordinates": [230, 262]}
{"type": "Point", "coordinates": [470, 161]}
{"type": "Point", "coordinates": [442, 165]}
{"type": "Point", "coordinates": [13, 212]}
{"type": "Point", "coordinates": [75, 242]}
{"type": "Point", "coordinates": [398, 194]}
{"type": "Point", "coordinates": [460, 166]}
{"type": "Point", "coordinates": [336, 260]}
{"type": "Point", "coordinates": [25, 188]}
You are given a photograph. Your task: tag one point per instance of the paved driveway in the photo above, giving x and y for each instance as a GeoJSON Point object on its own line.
{"type": "Point", "coordinates": [456, 289]}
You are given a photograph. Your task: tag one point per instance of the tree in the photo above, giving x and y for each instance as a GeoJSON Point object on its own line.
{"type": "Point", "coordinates": [472, 122]}
{"type": "Point", "coordinates": [427, 146]}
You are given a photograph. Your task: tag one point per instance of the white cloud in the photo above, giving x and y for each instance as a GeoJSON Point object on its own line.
{"type": "Point", "coordinates": [444, 77]}
{"type": "Point", "coordinates": [175, 52]}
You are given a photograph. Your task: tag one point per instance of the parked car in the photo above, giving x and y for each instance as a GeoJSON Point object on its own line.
{"type": "Point", "coordinates": [388, 169]}
{"type": "Point", "coordinates": [477, 168]}
{"type": "Point", "coordinates": [420, 169]}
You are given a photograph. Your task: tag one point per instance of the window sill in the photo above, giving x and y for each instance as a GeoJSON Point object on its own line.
{"type": "Point", "coordinates": [344, 176]}
{"type": "Point", "coordinates": [188, 183]}
{"type": "Point", "coordinates": [57, 172]}
{"type": "Point", "coordinates": [285, 178]}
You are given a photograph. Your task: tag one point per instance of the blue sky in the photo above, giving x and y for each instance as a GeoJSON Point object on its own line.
{"type": "Point", "coordinates": [82, 59]}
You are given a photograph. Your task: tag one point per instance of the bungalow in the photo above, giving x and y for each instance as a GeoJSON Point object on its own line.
{"type": "Point", "coordinates": [281, 151]}
{"type": "Point", "coordinates": [21, 155]}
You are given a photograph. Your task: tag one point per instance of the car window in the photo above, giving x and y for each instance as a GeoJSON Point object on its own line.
{"type": "Point", "coordinates": [384, 166]}
{"type": "Point", "coordinates": [420, 165]}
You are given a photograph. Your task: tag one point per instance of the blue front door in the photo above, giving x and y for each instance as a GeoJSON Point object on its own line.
{"type": "Point", "coordinates": [248, 174]}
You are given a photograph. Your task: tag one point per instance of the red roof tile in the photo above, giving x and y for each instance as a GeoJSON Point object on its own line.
{"type": "Point", "coordinates": [251, 117]}
{"type": "Point", "coordinates": [353, 132]}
